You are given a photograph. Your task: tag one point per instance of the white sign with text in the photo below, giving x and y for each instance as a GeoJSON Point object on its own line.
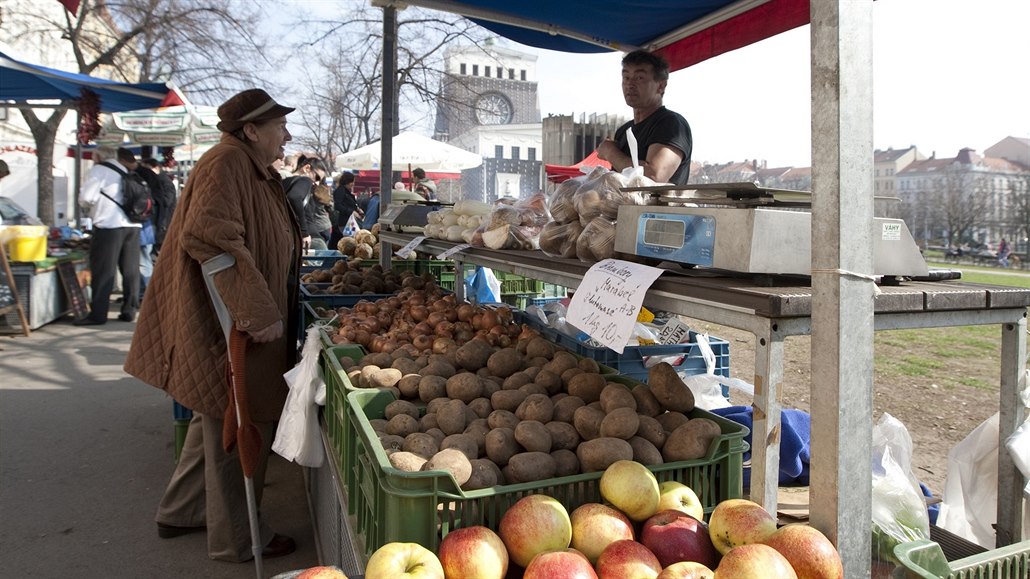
{"type": "Point", "coordinates": [410, 247]}
{"type": "Point", "coordinates": [607, 301]}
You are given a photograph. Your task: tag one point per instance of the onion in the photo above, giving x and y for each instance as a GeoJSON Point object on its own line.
{"type": "Point", "coordinates": [435, 318]}
{"type": "Point", "coordinates": [441, 345]}
{"type": "Point", "coordinates": [419, 312]}
{"type": "Point", "coordinates": [490, 319]}
{"type": "Point", "coordinates": [443, 327]}
{"type": "Point", "coordinates": [465, 312]}
{"type": "Point", "coordinates": [423, 341]}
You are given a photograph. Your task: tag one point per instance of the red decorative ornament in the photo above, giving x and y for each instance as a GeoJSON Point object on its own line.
{"type": "Point", "coordinates": [89, 116]}
{"type": "Point", "coordinates": [169, 156]}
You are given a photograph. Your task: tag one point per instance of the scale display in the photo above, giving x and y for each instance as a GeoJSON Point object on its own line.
{"type": "Point", "coordinates": [682, 238]}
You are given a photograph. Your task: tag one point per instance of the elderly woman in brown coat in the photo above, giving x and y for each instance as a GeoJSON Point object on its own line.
{"type": "Point", "coordinates": [233, 203]}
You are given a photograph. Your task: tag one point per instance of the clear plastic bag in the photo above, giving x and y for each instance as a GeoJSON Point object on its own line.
{"type": "Point", "coordinates": [899, 510]}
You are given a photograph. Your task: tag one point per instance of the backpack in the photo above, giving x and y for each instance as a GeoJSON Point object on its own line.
{"type": "Point", "coordinates": [137, 201]}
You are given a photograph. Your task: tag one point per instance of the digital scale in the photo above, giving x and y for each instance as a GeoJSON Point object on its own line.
{"type": "Point", "coordinates": [406, 217]}
{"type": "Point", "coordinates": [745, 228]}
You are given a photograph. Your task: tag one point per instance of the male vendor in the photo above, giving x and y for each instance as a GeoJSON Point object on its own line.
{"type": "Point", "coordinates": [663, 137]}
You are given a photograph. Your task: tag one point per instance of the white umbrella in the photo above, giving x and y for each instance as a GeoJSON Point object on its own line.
{"type": "Point", "coordinates": [163, 127]}
{"type": "Point", "coordinates": [411, 150]}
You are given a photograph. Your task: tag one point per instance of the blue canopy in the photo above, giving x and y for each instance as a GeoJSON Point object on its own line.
{"type": "Point", "coordinates": [685, 32]}
{"type": "Point", "coordinates": [21, 82]}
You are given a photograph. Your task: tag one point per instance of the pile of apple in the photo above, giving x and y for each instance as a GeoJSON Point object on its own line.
{"type": "Point", "coordinates": [645, 530]}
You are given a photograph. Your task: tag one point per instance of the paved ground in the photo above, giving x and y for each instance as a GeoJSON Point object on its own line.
{"type": "Point", "coordinates": [85, 453]}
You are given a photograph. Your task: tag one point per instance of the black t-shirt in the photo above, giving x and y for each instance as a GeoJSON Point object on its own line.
{"type": "Point", "coordinates": [663, 127]}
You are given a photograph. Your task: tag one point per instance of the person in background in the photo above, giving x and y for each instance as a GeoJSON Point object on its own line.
{"type": "Point", "coordinates": [344, 205]}
{"type": "Point", "coordinates": [233, 204]}
{"type": "Point", "coordinates": [115, 246]}
{"type": "Point", "coordinates": [423, 185]}
{"type": "Point", "coordinates": [311, 201]}
{"type": "Point", "coordinates": [4, 169]}
{"type": "Point", "coordinates": [663, 137]}
{"type": "Point", "coordinates": [371, 211]}
{"type": "Point", "coordinates": [1003, 253]}
{"type": "Point", "coordinates": [165, 198]}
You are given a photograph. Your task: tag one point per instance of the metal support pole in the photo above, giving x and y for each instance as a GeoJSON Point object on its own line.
{"type": "Point", "coordinates": [842, 295]}
{"type": "Point", "coordinates": [389, 128]}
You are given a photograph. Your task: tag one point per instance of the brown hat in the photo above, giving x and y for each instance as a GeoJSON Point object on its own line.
{"type": "Point", "coordinates": [250, 106]}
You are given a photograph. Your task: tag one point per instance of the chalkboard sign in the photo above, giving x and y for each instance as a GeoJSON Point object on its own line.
{"type": "Point", "coordinates": [9, 294]}
{"type": "Point", "coordinates": [72, 289]}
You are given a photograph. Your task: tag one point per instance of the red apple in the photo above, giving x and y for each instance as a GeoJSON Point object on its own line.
{"type": "Point", "coordinates": [736, 522]}
{"type": "Point", "coordinates": [630, 487]}
{"type": "Point", "coordinates": [675, 536]}
{"type": "Point", "coordinates": [595, 526]}
{"type": "Point", "coordinates": [810, 553]}
{"type": "Point", "coordinates": [686, 570]}
{"type": "Point", "coordinates": [473, 553]}
{"type": "Point", "coordinates": [627, 559]}
{"type": "Point", "coordinates": [532, 525]}
{"type": "Point", "coordinates": [566, 564]}
{"type": "Point", "coordinates": [678, 496]}
{"type": "Point", "coordinates": [754, 560]}
{"type": "Point", "coordinates": [403, 560]}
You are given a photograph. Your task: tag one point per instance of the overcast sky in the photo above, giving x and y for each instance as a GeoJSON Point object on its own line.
{"type": "Point", "coordinates": [947, 74]}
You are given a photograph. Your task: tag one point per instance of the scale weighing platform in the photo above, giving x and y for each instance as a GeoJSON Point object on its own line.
{"type": "Point", "coordinates": [745, 228]}
{"type": "Point", "coordinates": [407, 217]}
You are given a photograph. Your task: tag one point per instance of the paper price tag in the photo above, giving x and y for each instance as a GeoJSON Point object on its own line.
{"type": "Point", "coordinates": [674, 332]}
{"type": "Point", "coordinates": [410, 247]}
{"type": "Point", "coordinates": [607, 301]}
{"type": "Point", "coordinates": [456, 249]}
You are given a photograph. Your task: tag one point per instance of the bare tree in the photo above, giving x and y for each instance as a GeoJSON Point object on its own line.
{"type": "Point", "coordinates": [1019, 196]}
{"type": "Point", "coordinates": [962, 197]}
{"type": "Point", "coordinates": [202, 44]}
{"type": "Point", "coordinates": [343, 106]}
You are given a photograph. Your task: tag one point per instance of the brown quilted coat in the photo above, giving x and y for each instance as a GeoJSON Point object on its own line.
{"type": "Point", "coordinates": [232, 203]}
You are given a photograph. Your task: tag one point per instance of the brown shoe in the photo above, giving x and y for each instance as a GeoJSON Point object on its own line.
{"type": "Point", "coordinates": [279, 546]}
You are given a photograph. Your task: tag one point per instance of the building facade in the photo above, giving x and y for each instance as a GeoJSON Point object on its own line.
{"type": "Point", "coordinates": [489, 104]}
{"type": "Point", "coordinates": [967, 199]}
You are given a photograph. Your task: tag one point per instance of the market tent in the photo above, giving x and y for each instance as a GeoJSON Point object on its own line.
{"type": "Point", "coordinates": [21, 82]}
{"type": "Point", "coordinates": [684, 32]}
{"type": "Point", "coordinates": [411, 150]}
{"type": "Point", "coordinates": [559, 173]}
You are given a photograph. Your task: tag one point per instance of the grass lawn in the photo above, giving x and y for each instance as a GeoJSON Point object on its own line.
{"type": "Point", "coordinates": [923, 352]}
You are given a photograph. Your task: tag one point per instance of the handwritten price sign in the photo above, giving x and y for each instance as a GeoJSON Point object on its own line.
{"type": "Point", "coordinates": [607, 302]}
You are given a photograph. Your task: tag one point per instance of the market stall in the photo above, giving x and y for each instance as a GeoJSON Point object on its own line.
{"type": "Point", "coordinates": [841, 306]}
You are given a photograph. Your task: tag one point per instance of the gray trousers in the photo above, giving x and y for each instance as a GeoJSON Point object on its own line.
{"type": "Point", "coordinates": [207, 488]}
{"type": "Point", "coordinates": [112, 251]}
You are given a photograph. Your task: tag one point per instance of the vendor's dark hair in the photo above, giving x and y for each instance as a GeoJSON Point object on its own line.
{"type": "Point", "coordinates": [346, 178]}
{"type": "Point", "coordinates": [151, 162]}
{"type": "Point", "coordinates": [659, 64]}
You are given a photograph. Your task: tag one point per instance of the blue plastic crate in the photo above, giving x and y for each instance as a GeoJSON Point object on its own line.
{"type": "Point", "coordinates": [321, 259]}
{"type": "Point", "coordinates": [180, 412]}
{"type": "Point", "coordinates": [631, 361]}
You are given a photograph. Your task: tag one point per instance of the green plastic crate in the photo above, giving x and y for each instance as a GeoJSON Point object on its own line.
{"type": "Point", "coordinates": [422, 507]}
{"type": "Point", "coordinates": [924, 559]}
{"type": "Point", "coordinates": [337, 387]}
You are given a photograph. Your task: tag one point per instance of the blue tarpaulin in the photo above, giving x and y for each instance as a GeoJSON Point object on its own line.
{"type": "Point", "coordinates": [21, 82]}
{"type": "Point", "coordinates": [685, 32]}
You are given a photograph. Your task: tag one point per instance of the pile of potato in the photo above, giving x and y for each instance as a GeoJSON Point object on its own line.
{"type": "Point", "coordinates": [526, 412]}
{"type": "Point", "coordinates": [350, 277]}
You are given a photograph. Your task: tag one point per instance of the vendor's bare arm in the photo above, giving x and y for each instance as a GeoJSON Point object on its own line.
{"type": "Point", "coordinates": [609, 151]}
{"type": "Point", "coordinates": [662, 161]}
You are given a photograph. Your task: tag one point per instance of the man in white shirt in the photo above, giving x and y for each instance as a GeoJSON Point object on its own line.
{"type": "Point", "coordinates": [115, 243]}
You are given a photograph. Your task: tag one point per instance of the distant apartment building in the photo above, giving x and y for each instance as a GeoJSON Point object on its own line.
{"type": "Point", "coordinates": [968, 198]}
{"type": "Point", "coordinates": [887, 164]}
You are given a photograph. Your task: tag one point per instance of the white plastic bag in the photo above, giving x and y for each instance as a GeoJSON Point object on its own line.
{"type": "Point", "coordinates": [899, 511]}
{"type": "Point", "coordinates": [297, 438]}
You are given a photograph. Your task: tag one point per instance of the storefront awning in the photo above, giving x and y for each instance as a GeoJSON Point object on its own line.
{"type": "Point", "coordinates": [685, 32]}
